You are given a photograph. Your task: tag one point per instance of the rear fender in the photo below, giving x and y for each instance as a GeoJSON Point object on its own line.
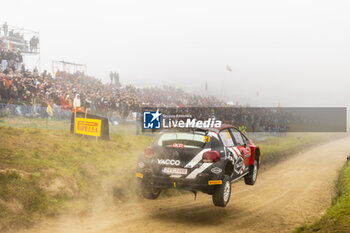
{"type": "Point", "coordinates": [143, 163]}
{"type": "Point", "coordinates": [216, 170]}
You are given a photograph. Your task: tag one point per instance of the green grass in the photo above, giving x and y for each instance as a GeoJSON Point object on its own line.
{"type": "Point", "coordinates": [45, 123]}
{"type": "Point", "coordinates": [50, 172]}
{"type": "Point", "coordinates": [337, 217]}
{"type": "Point", "coordinates": [275, 148]}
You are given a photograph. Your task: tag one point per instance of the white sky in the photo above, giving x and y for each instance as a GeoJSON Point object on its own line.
{"type": "Point", "coordinates": [297, 52]}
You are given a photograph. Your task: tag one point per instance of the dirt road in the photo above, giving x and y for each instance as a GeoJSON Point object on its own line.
{"type": "Point", "coordinates": [293, 192]}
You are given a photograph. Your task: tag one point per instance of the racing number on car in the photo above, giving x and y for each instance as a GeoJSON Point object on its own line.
{"type": "Point", "coordinates": [206, 138]}
{"type": "Point", "coordinates": [228, 134]}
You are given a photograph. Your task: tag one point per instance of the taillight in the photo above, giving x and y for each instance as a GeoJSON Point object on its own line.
{"type": "Point", "coordinates": [211, 156]}
{"type": "Point", "coordinates": [148, 152]}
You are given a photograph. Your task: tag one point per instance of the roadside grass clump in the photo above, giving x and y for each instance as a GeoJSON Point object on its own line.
{"type": "Point", "coordinates": [337, 217]}
{"type": "Point", "coordinates": [20, 197]}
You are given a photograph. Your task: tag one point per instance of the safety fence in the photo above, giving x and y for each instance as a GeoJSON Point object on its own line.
{"type": "Point", "coordinates": [54, 118]}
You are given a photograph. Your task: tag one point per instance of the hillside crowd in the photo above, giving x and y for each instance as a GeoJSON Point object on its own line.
{"type": "Point", "coordinates": [25, 92]}
{"type": "Point", "coordinates": [24, 87]}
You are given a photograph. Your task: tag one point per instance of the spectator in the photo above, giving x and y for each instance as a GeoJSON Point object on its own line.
{"type": "Point", "coordinates": [76, 101]}
{"type": "Point", "coordinates": [5, 28]}
{"type": "Point", "coordinates": [116, 79]}
{"type": "Point", "coordinates": [33, 44]}
{"type": "Point", "coordinates": [111, 77]}
{"type": "Point", "coordinates": [18, 59]}
{"type": "Point", "coordinates": [4, 59]}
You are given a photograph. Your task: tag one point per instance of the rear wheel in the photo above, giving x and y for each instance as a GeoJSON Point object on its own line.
{"type": "Point", "coordinates": [222, 194]}
{"type": "Point", "coordinates": [252, 175]}
{"type": "Point", "coordinates": [149, 192]}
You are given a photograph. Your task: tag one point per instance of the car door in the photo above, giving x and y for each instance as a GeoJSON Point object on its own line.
{"type": "Point", "coordinates": [232, 152]}
{"type": "Point", "coordinates": [241, 144]}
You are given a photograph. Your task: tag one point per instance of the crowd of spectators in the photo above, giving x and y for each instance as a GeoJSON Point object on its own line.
{"type": "Point", "coordinates": [24, 87]}
{"type": "Point", "coordinates": [64, 91]}
{"type": "Point", "coordinates": [10, 59]}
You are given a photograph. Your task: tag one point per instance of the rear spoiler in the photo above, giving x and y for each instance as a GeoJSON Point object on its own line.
{"type": "Point", "coordinates": [192, 129]}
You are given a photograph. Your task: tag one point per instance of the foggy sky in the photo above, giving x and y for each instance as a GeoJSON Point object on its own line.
{"type": "Point", "coordinates": [295, 52]}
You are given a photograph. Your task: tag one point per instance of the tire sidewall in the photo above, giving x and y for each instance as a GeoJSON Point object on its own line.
{"type": "Point", "coordinates": [255, 170]}
{"type": "Point", "coordinates": [226, 184]}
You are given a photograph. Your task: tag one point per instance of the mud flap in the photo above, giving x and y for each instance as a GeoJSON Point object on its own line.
{"type": "Point", "coordinates": [195, 194]}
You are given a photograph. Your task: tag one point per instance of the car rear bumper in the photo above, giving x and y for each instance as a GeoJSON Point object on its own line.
{"type": "Point", "coordinates": [203, 182]}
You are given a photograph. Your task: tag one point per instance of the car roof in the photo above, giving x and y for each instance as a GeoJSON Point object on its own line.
{"type": "Point", "coordinates": [222, 127]}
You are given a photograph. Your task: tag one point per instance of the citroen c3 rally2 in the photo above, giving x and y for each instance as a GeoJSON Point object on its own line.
{"type": "Point", "coordinates": [198, 159]}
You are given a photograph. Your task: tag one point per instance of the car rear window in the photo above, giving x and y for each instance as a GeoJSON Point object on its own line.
{"type": "Point", "coordinates": [182, 139]}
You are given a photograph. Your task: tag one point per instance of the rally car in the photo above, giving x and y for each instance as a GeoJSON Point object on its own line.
{"type": "Point", "coordinates": [198, 159]}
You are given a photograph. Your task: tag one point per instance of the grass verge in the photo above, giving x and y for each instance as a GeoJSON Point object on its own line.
{"type": "Point", "coordinates": [337, 217]}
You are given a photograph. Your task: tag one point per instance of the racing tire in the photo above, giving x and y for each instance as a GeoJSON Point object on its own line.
{"type": "Point", "coordinates": [251, 177]}
{"type": "Point", "coordinates": [149, 192]}
{"type": "Point", "coordinates": [222, 194]}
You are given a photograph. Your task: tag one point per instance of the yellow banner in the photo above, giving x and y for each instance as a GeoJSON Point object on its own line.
{"type": "Point", "coordinates": [91, 127]}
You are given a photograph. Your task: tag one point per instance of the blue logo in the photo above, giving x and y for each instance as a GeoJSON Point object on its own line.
{"type": "Point", "coordinates": [152, 120]}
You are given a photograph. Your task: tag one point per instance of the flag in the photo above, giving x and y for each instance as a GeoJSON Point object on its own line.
{"type": "Point", "coordinates": [228, 68]}
{"type": "Point", "coordinates": [49, 110]}
{"type": "Point", "coordinates": [9, 46]}
{"type": "Point", "coordinates": [206, 85]}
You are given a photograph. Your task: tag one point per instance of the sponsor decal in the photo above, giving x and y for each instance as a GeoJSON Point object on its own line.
{"type": "Point", "coordinates": [233, 153]}
{"type": "Point", "coordinates": [216, 170]}
{"type": "Point", "coordinates": [196, 171]}
{"type": "Point", "coordinates": [86, 126]}
{"type": "Point", "coordinates": [169, 162]}
{"type": "Point", "coordinates": [239, 165]}
{"type": "Point", "coordinates": [214, 182]}
{"type": "Point", "coordinates": [139, 175]}
{"type": "Point", "coordinates": [177, 145]}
